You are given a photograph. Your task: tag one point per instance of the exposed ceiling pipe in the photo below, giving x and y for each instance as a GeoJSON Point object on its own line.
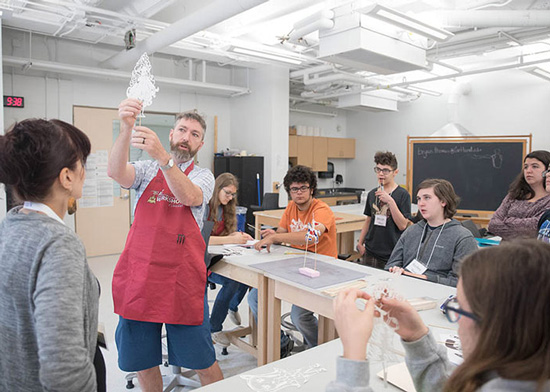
{"type": "Point", "coordinates": [206, 16]}
{"type": "Point", "coordinates": [121, 75]}
{"type": "Point", "coordinates": [312, 70]}
{"type": "Point", "coordinates": [321, 24]}
{"type": "Point", "coordinates": [501, 18]}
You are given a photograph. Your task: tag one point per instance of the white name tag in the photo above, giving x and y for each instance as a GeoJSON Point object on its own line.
{"type": "Point", "coordinates": [416, 267]}
{"type": "Point", "coordinates": [380, 220]}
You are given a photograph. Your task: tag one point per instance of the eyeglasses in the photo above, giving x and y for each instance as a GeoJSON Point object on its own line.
{"type": "Point", "coordinates": [453, 311]}
{"type": "Point", "coordinates": [384, 171]}
{"type": "Point", "coordinates": [300, 189]}
{"type": "Point", "coordinates": [229, 194]}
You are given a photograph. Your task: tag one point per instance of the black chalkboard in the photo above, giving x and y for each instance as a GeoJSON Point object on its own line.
{"type": "Point", "coordinates": [480, 170]}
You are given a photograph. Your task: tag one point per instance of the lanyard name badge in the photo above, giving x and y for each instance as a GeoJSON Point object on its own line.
{"type": "Point", "coordinates": [40, 207]}
{"type": "Point", "coordinates": [380, 219]}
{"type": "Point", "coordinates": [416, 266]}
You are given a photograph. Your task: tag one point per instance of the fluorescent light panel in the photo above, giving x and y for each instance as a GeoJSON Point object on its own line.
{"type": "Point", "coordinates": [405, 21]}
{"type": "Point", "coordinates": [268, 56]}
{"type": "Point", "coordinates": [541, 73]}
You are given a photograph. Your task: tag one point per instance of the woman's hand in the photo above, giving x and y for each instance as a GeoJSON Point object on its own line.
{"type": "Point", "coordinates": [411, 326]}
{"type": "Point", "coordinates": [354, 326]}
{"type": "Point", "coordinates": [361, 248]}
{"type": "Point", "coordinates": [239, 237]}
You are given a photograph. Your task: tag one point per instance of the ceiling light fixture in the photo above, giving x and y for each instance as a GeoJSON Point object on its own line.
{"type": "Point", "coordinates": [269, 56]}
{"type": "Point", "coordinates": [541, 73]}
{"type": "Point", "coordinates": [406, 22]}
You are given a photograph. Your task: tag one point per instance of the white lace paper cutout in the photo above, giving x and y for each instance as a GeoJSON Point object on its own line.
{"type": "Point", "coordinates": [381, 348]}
{"type": "Point", "coordinates": [280, 378]}
{"type": "Point", "coordinates": [142, 85]}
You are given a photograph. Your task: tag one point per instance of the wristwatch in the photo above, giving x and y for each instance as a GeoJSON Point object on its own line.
{"type": "Point", "coordinates": [168, 165]}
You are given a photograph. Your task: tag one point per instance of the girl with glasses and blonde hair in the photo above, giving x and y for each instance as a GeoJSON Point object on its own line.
{"type": "Point", "coordinates": [503, 314]}
{"type": "Point", "coordinates": [222, 212]}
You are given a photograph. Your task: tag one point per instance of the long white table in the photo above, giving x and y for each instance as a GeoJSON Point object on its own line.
{"type": "Point", "coordinates": [325, 354]}
{"type": "Point", "coordinates": [274, 289]}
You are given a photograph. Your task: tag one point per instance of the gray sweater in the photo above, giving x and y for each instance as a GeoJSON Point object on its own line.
{"type": "Point", "coordinates": [48, 307]}
{"type": "Point", "coordinates": [429, 368]}
{"type": "Point", "coordinates": [454, 243]}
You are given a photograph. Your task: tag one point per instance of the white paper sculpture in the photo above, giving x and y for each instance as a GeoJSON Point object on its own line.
{"type": "Point", "coordinates": [142, 85]}
{"type": "Point", "coordinates": [280, 378]}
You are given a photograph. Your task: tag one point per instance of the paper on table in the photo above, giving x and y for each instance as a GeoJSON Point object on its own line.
{"type": "Point", "coordinates": [399, 376]}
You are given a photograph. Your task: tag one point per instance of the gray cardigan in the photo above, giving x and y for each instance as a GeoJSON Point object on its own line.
{"type": "Point", "coordinates": [455, 243]}
{"type": "Point", "coordinates": [429, 368]}
{"type": "Point", "coordinates": [48, 307]}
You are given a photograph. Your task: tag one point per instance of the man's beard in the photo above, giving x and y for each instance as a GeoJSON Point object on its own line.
{"type": "Point", "coordinates": [182, 155]}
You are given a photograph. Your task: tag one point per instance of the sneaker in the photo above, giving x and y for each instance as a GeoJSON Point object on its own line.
{"type": "Point", "coordinates": [287, 344]}
{"type": "Point", "coordinates": [220, 338]}
{"type": "Point", "coordinates": [235, 317]}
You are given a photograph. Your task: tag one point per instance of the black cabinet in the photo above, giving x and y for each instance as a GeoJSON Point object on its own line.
{"type": "Point", "coordinates": [246, 170]}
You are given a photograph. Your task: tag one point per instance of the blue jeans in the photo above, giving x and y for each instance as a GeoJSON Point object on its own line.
{"type": "Point", "coordinates": [229, 297]}
{"type": "Point", "coordinates": [303, 319]}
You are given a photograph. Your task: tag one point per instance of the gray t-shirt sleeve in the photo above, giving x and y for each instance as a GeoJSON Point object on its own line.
{"type": "Point", "coordinates": [58, 301]}
{"type": "Point", "coordinates": [351, 376]}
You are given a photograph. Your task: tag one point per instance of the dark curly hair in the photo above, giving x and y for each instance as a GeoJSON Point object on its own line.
{"type": "Point", "coordinates": [300, 174]}
{"type": "Point", "coordinates": [386, 158]}
{"type": "Point", "coordinates": [33, 153]}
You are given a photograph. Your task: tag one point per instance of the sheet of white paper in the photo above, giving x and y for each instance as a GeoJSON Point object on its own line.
{"type": "Point", "coordinates": [399, 376]}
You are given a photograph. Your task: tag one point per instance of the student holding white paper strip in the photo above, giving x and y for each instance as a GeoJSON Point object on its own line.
{"type": "Point", "coordinates": [505, 342]}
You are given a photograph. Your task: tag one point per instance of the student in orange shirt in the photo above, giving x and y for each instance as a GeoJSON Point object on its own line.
{"type": "Point", "coordinates": [300, 183]}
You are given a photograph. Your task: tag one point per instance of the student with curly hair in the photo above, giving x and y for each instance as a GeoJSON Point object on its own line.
{"type": "Point", "coordinates": [300, 183]}
{"type": "Point", "coordinates": [388, 210]}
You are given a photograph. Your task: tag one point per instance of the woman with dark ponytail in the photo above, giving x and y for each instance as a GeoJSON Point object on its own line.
{"type": "Point", "coordinates": [48, 294]}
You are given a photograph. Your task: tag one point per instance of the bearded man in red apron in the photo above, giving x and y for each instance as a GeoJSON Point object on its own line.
{"type": "Point", "coordinates": [160, 277]}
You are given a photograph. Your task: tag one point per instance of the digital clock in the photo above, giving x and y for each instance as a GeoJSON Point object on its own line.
{"type": "Point", "coordinates": [13, 102]}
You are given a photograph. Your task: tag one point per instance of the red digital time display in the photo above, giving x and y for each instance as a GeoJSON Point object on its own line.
{"type": "Point", "coordinates": [13, 102]}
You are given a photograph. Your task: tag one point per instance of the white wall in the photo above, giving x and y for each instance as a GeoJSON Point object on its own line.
{"type": "Point", "coordinates": [330, 127]}
{"type": "Point", "coordinates": [500, 103]}
{"type": "Point", "coordinates": [54, 98]}
{"type": "Point", "coordinates": [259, 123]}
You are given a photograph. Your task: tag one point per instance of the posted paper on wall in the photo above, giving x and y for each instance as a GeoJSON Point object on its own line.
{"type": "Point", "coordinates": [98, 187]}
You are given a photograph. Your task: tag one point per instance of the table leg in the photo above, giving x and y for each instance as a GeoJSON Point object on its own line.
{"type": "Point", "coordinates": [327, 330]}
{"type": "Point", "coordinates": [273, 324]}
{"type": "Point", "coordinates": [262, 320]}
{"type": "Point", "coordinates": [257, 227]}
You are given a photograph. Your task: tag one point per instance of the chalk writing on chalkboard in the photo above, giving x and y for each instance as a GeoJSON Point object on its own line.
{"type": "Point", "coordinates": [457, 149]}
{"type": "Point", "coordinates": [497, 158]}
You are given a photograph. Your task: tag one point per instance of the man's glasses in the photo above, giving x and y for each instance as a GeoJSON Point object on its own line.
{"type": "Point", "coordinates": [300, 189]}
{"type": "Point", "coordinates": [229, 193]}
{"type": "Point", "coordinates": [384, 171]}
{"type": "Point", "coordinates": [453, 311]}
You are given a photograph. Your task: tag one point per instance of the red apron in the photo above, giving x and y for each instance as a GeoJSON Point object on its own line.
{"type": "Point", "coordinates": [161, 275]}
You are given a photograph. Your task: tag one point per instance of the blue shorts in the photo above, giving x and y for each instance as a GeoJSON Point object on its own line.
{"type": "Point", "coordinates": [139, 344]}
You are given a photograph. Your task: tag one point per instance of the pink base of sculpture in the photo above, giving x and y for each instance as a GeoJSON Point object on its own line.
{"type": "Point", "coordinates": [309, 272]}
